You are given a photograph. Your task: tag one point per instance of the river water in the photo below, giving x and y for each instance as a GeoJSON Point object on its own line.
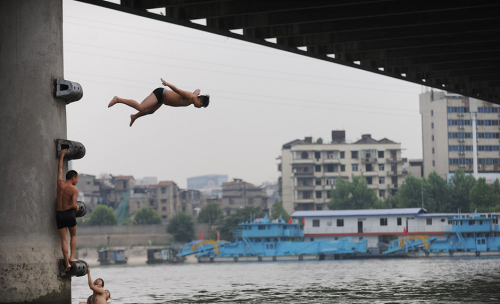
{"type": "Point", "coordinates": [434, 280]}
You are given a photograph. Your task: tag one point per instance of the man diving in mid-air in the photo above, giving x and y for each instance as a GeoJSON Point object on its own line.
{"type": "Point", "coordinates": [174, 98]}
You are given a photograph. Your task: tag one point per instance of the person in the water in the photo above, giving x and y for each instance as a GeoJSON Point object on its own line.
{"type": "Point", "coordinates": [90, 299]}
{"type": "Point", "coordinates": [99, 295]}
{"type": "Point", "coordinates": [67, 194]}
{"type": "Point", "coordinates": [174, 98]}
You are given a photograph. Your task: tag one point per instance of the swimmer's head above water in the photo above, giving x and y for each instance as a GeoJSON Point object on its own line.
{"type": "Point", "coordinates": [99, 282]}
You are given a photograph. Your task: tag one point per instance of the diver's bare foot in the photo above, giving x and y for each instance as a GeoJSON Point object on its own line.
{"type": "Point", "coordinates": [132, 119]}
{"type": "Point", "coordinates": [113, 102]}
{"type": "Point", "coordinates": [73, 260]}
{"type": "Point", "coordinates": [68, 267]}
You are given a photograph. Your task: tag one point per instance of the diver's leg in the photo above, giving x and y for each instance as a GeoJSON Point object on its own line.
{"type": "Point", "coordinates": [147, 103]}
{"type": "Point", "coordinates": [151, 110]}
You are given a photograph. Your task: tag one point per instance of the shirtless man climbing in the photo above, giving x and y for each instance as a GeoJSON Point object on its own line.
{"type": "Point", "coordinates": [67, 194]}
{"type": "Point", "coordinates": [174, 98]}
{"type": "Point", "coordinates": [99, 296]}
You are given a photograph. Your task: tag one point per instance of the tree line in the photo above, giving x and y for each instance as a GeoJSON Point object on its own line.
{"type": "Point", "coordinates": [463, 193]}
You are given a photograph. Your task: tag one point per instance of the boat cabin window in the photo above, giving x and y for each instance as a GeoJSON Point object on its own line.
{"type": "Point", "coordinates": [495, 220]}
{"type": "Point", "coordinates": [315, 223]}
{"type": "Point", "coordinates": [471, 223]}
{"type": "Point", "coordinates": [443, 220]}
{"type": "Point", "coordinates": [480, 222]}
{"type": "Point", "coordinates": [312, 239]}
{"type": "Point", "coordinates": [428, 221]}
{"type": "Point", "coordinates": [399, 221]}
{"type": "Point", "coordinates": [383, 221]}
{"type": "Point", "coordinates": [340, 222]}
{"type": "Point", "coordinates": [450, 222]}
{"type": "Point", "coordinates": [262, 227]}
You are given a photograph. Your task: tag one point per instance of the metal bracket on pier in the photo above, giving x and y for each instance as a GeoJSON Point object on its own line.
{"type": "Point", "coordinates": [82, 209]}
{"type": "Point", "coordinates": [68, 90]}
{"type": "Point", "coordinates": [76, 150]}
{"type": "Point", "coordinates": [78, 268]}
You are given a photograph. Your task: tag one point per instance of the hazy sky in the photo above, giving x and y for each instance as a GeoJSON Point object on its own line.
{"type": "Point", "coordinates": [261, 98]}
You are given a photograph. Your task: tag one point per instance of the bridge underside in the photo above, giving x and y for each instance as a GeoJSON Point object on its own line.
{"type": "Point", "coordinates": [448, 45]}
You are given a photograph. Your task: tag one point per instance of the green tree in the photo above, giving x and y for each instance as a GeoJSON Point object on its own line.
{"type": "Point", "coordinates": [146, 216]}
{"type": "Point", "coordinates": [437, 194]}
{"type": "Point", "coordinates": [210, 214]}
{"type": "Point", "coordinates": [352, 195]}
{"type": "Point", "coordinates": [319, 140]}
{"type": "Point", "coordinates": [277, 210]}
{"type": "Point", "coordinates": [102, 216]}
{"type": "Point", "coordinates": [181, 226]}
{"type": "Point", "coordinates": [409, 194]}
{"type": "Point", "coordinates": [483, 196]}
{"type": "Point", "coordinates": [461, 185]}
{"type": "Point", "coordinates": [231, 221]}
{"type": "Point", "coordinates": [382, 204]}
{"type": "Point", "coordinates": [390, 202]}
{"type": "Point", "coordinates": [127, 222]}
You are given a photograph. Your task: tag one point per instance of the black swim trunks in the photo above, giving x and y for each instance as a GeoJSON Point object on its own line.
{"type": "Point", "coordinates": [159, 93]}
{"type": "Point", "coordinates": [65, 219]}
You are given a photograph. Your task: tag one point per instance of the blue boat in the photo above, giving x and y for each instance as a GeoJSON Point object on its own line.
{"type": "Point", "coordinates": [468, 235]}
{"type": "Point", "coordinates": [265, 240]}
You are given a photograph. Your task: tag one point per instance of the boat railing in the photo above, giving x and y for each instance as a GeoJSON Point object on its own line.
{"type": "Point", "coordinates": [395, 230]}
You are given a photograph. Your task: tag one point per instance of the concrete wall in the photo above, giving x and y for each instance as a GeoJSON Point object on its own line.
{"type": "Point", "coordinates": [91, 237]}
{"type": "Point", "coordinates": [31, 56]}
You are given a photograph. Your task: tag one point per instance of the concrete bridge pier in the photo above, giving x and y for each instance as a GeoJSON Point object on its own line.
{"type": "Point", "coordinates": [31, 57]}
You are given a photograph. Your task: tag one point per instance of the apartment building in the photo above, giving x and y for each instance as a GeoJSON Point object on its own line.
{"type": "Point", "coordinates": [113, 191]}
{"type": "Point", "coordinates": [309, 170]}
{"type": "Point", "coordinates": [240, 194]}
{"type": "Point", "coordinates": [191, 201]}
{"type": "Point", "coordinates": [89, 190]}
{"type": "Point", "coordinates": [162, 197]}
{"type": "Point", "coordinates": [447, 134]}
{"type": "Point", "coordinates": [209, 185]}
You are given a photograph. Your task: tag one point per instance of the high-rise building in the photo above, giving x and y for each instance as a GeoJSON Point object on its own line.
{"type": "Point", "coordinates": [447, 134]}
{"type": "Point", "coordinates": [309, 170]}
{"type": "Point", "coordinates": [209, 185]}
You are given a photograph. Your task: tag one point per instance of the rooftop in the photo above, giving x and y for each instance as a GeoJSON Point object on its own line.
{"type": "Point", "coordinates": [364, 212]}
